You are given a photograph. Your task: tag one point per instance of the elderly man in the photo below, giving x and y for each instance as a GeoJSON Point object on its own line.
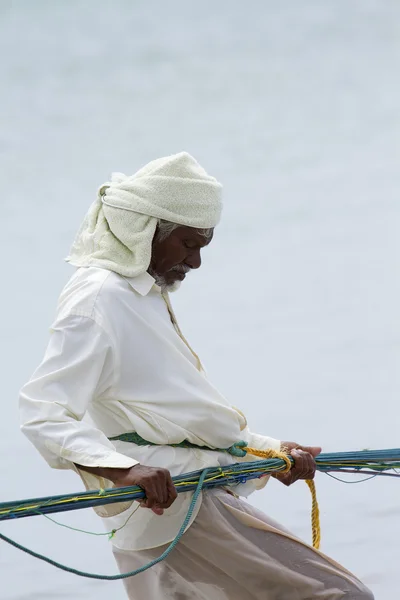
{"type": "Point", "coordinates": [120, 385]}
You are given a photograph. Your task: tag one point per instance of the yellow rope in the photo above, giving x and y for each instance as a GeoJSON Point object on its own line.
{"type": "Point", "coordinates": [315, 521]}
{"type": "Point", "coordinates": [265, 454]}
{"type": "Point", "coordinates": [269, 453]}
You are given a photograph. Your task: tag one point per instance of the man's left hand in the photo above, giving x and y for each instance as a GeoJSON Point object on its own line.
{"type": "Point", "coordinates": [304, 462]}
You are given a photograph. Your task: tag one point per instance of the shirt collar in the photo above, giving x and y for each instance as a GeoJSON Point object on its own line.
{"type": "Point", "coordinates": [143, 283]}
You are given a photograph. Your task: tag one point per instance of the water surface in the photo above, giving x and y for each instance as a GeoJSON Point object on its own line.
{"type": "Point", "coordinates": [295, 107]}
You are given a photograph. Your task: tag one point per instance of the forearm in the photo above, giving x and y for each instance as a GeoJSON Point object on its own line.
{"type": "Point", "coordinates": [156, 482]}
{"type": "Point", "coordinates": [112, 474]}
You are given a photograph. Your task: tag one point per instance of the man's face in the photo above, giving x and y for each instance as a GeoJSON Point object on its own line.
{"type": "Point", "coordinates": [176, 255]}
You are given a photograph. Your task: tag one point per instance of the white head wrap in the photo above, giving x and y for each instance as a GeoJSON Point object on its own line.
{"type": "Point", "coordinates": [118, 230]}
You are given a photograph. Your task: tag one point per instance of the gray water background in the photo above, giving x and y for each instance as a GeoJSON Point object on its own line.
{"type": "Point", "coordinates": [294, 106]}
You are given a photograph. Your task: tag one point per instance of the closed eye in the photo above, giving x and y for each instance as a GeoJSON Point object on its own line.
{"type": "Point", "coordinates": [190, 245]}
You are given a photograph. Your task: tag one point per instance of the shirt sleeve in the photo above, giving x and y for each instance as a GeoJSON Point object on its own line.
{"type": "Point", "coordinates": [255, 440]}
{"type": "Point", "coordinates": [262, 442]}
{"type": "Point", "coordinates": [77, 367]}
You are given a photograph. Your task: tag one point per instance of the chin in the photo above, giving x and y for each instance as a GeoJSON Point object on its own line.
{"type": "Point", "coordinates": [168, 287]}
{"type": "Point", "coordinates": [165, 283]}
{"type": "Point", "coordinates": [173, 287]}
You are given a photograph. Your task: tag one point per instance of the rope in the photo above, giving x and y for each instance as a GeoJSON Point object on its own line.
{"type": "Point", "coordinates": [241, 449]}
{"type": "Point", "coordinates": [150, 564]}
{"type": "Point", "coordinates": [315, 520]}
{"type": "Point", "coordinates": [375, 462]}
{"type": "Point", "coordinates": [269, 453]}
{"type": "Point", "coordinates": [109, 534]}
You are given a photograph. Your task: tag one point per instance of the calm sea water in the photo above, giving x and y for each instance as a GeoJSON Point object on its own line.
{"type": "Point", "coordinates": [295, 107]}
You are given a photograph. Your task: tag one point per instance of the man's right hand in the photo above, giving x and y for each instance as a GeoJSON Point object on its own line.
{"type": "Point", "coordinates": [156, 482]}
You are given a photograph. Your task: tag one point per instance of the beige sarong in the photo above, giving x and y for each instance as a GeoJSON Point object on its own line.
{"type": "Point", "coordinates": [233, 551]}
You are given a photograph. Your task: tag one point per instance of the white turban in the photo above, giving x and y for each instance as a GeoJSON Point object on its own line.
{"type": "Point", "coordinates": [118, 230]}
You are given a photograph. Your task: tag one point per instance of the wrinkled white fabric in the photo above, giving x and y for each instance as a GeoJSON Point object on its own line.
{"type": "Point", "coordinates": [117, 363]}
{"type": "Point", "coordinates": [118, 230]}
{"type": "Point", "coordinates": [235, 552]}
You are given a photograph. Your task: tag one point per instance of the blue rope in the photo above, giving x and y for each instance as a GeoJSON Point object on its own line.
{"type": "Point", "coordinates": [374, 462]}
{"type": "Point", "coordinates": [150, 564]}
{"type": "Point", "coordinates": [365, 462]}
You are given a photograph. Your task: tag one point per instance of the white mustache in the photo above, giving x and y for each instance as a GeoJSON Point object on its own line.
{"type": "Point", "coordinates": [181, 269]}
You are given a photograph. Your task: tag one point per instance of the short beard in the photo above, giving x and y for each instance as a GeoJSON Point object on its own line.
{"type": "Point", "coordinates": [166, 287]}
{"type": "Point", "coordinates": [169, 287]}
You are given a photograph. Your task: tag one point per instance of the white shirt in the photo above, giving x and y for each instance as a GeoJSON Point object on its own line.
{"type": "Point", "coordinates": [118, 362]}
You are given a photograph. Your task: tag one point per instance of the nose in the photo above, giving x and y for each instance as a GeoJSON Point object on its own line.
{"type": "Point", "coordinates": [194, 259]}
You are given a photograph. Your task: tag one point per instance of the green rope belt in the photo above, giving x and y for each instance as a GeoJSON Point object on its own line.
{"type": "Point", "coordinates": [134, 438]}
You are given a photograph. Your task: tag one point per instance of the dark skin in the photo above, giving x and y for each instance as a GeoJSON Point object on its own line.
{"type": "Point", "coordinates": [179, 252]}
{"type": "Point", "coordinates": [182, 248]}
{"type": "Point", "coordinates": [304, 462]}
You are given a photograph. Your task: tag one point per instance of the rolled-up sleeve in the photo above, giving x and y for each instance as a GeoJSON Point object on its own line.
{"type": "Point", "coordinates": [255, 440]}
{"type": "Point", "coordinates": [78, 366]}
{"type": "Point", "coordinates": [263, 442]}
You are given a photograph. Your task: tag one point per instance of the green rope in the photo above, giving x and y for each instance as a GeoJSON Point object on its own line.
{"type": "Point", "coordinates": [133, 437]}
{"type": "Point", "coordinates": [109, 534]}
{"type": "Point", "coordinates": [119, 575]}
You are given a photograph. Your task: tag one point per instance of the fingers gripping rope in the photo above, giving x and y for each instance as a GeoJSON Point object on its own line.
{"type": "Point", "coordinates": [119, 575]}
{"type": "Point", "coordinates": [239, 449]}
{"type": "Point", "coordinates": [315, 520]}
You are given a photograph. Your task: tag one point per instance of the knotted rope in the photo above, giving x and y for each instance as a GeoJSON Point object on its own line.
{"type": "Point", "coordinates": [269, 453]}
{"type": "Point", "coordinates": [240, 450]}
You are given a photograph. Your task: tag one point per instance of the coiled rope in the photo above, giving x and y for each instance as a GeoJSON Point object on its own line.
{"type": "Point", "coordinates": [315, 520]}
